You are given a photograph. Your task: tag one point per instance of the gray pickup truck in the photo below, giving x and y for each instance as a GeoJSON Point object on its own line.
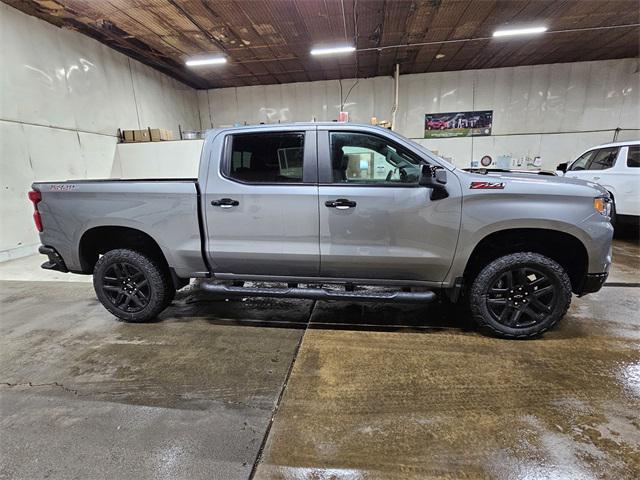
{"type": "Point", "coordinates": [333, 211]}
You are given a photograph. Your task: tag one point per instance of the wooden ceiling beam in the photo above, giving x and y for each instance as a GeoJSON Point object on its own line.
{"type": "Point", "coordinates": [269, 41]}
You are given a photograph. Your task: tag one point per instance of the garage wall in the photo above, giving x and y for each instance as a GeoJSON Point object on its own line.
{"type": "Point", "coordinates": [175, 159]}
{"type": "Point", "coordinates": [551, 111]}
{"type": "Point", "coordinates": [62, 98]}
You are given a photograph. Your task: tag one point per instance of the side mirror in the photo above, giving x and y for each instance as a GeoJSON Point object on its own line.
{"type": "Point", "coordinates": [435, 179]}
{"type": "Point", "coordinates": [562, 167]}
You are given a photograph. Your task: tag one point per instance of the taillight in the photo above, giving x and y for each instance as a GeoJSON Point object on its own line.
{"type": "Point", "coordinates": [36, 198]}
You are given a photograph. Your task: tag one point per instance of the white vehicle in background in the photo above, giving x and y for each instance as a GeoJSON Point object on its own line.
{"type": "Point", "coordinates": [615, 166]}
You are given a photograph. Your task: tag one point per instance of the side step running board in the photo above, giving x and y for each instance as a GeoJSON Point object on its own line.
{"type": "Point", "coordinates": [320, 294]}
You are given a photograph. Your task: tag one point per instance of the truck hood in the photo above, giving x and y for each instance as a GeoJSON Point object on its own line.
{"type": "Point", "coordinates": [544, 183]}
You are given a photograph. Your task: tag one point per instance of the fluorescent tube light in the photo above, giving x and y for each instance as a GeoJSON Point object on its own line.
{"type": "Point", "coordinates": [205, 61]}
{"type": "Point", "coordinates": [332, 50]}
{"type": "Point", "coordinates": [519, 31]}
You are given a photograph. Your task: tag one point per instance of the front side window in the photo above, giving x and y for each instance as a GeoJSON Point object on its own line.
{"type": "Point", "coordinates": [603, 159]}
{"type": "Point", "coordinates": [582, 161]}
{"type": "Point", "coordinates": [364, 158]}
{"type": "Point", "coordinates": [275, 157]}
{"type": "Point", "coordinates": [633, 156]}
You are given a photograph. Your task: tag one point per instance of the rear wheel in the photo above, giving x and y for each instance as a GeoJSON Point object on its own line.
{"type": "Point", "coordinates": [520, 295]}
{"type": "Point", "coordinates": [132, 286]}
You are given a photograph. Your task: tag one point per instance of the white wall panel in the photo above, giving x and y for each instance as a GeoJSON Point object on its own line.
{"type": "Point", "coordinates": [33, 85]}
{"type": "Point", "coordinates": [542, 110]}
{"type": "Point", "coordinates": [173, 159]}
{"type": "Point", "coordinates": [487, 95]}
{"type": "Point", "coordinates": [630, 114]}
{"type": "Point", "coordinates": [204, 114]}
{"type": "Point", "coordinates": [62, 98]}
{"type": "Point", "coordinates": [98, 87]}
{"type": "Point", "coordinates": [223, 106]}
{"type": "Point", "coordinates": [626, 135]}
{"type": "Point", "coordinates": [162, 101]}
{"type": "Point", "coordinates": [59, 78]}
{"type": "Point", "coordinates": [370, 97]}
{"type": "Point", "coordinates": [559, 148]}
{"type": "Point", "coordinates": [31, 153]}
{"type": "Point", "coordinates": [16, 226]}
{"type": "Point", "coordinates": [556, 99]}
{"type": "Point", "coordinates": [54, 154]}
{"type": "Point", "coordinates": [97, 151]}
{"type": "Point", "coordinates": [449, 148]}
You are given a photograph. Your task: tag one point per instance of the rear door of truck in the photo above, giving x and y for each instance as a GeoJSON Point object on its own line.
{"type": "Point", "coordinates": [261, 202]}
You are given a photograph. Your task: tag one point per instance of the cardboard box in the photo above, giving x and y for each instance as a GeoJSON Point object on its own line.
{"type": "Point", "coordinates": [159, 134]}
{"type": "Point", "coordinates": [136, 135]}
{"type": "Point", "coordinates": [147, 135]}
{"type": "Point", "coordinates": [127, 136]}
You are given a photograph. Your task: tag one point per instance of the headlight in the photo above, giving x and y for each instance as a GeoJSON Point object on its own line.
{"type": "Point", "coordinates": [602, 205]}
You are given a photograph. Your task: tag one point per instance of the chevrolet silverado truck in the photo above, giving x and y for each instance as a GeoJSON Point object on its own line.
{"type": "Point", "coordinates": [333, 211]}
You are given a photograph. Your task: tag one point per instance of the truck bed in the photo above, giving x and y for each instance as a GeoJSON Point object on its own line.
{"type": "Point", "coordinates": [167, 210]}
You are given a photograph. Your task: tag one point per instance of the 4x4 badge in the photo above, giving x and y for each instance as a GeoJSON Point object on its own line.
{"type": "Point", "coordinates": [487, 185]}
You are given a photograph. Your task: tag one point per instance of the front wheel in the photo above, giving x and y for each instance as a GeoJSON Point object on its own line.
{"type": "Point", "coordinates": [520, 295]}
{"type": "Point", "coordinates": [131, 285]}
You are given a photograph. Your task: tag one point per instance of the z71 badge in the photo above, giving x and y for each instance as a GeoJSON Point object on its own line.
{"type": "Point", "coordinates": [487, 185]}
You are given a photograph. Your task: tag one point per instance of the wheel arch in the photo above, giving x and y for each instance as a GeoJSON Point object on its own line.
{"type": "Point", "coordinates": [564, 248]}
{"type": "Point", "coordinates": [100, 239]}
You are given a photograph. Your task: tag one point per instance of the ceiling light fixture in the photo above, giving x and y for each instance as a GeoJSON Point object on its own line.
{"type": "Point", "coordinates": [198, 62]}
{"type": "Point", "coordinates": [519, 31]}
{"type": "Point", "coordinates": [333, 50]}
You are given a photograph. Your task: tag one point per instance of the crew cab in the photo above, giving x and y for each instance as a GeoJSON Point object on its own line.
{"type": "Point", "coordinates": [323, 210]}
{"type": "Point", "coordinates": [615, 166]}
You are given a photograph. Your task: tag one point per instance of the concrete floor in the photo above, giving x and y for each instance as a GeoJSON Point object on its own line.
{"type": "Point", "coordinates": [358, 391]}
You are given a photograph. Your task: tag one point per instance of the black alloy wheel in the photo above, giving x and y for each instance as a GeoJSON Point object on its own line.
{"type": "Point", "coordinates": [132, 285]}
{"type": "Point", "coordinates": [521, 298]}
{"type": "Point", "coordinates": [520, 295]}
{"type": "Point", "coordinates": [126, 287]}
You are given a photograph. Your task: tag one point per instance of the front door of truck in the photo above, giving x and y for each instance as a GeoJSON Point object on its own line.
{"type": "Point", "coordinates": [261, 203]}
{"type": "Point", "coordinates": [376, 222]}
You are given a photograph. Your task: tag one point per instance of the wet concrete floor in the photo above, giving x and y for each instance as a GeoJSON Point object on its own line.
{"type": "Point", "coordinates": [85, 396]}
{"type": "Point", "coordinates": [358, 391]}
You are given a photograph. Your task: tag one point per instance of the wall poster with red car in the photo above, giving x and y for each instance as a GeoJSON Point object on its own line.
{"type": "Point", "coordinates": [458, 124]}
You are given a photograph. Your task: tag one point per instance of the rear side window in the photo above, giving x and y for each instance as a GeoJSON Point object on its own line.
{"type": "Point", "coordinates": [603, 159]}
{"type": "Point", "coordinates": [275, 157]}
{"type": "Point", "coordinates": [633, 156]}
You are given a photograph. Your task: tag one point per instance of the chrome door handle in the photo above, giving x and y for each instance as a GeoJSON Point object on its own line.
{"type": "Point", "coordinates": [596, 178]}
{"type": "Point", "coordinates": [340, 204]}
{"type": "Point", "coordinates": [225, 203]}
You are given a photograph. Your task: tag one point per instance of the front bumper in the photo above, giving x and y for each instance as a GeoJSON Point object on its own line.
{"type": "Point", "coordinates": [55, 261]}
{"type": "Point", "coordinates": [592, 283]}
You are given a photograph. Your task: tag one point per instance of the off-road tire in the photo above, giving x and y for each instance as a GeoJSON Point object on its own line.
{"type": "Point", "coordinates": [158, 285]}
{"type": "Point", "coordinates": [484, 282]}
